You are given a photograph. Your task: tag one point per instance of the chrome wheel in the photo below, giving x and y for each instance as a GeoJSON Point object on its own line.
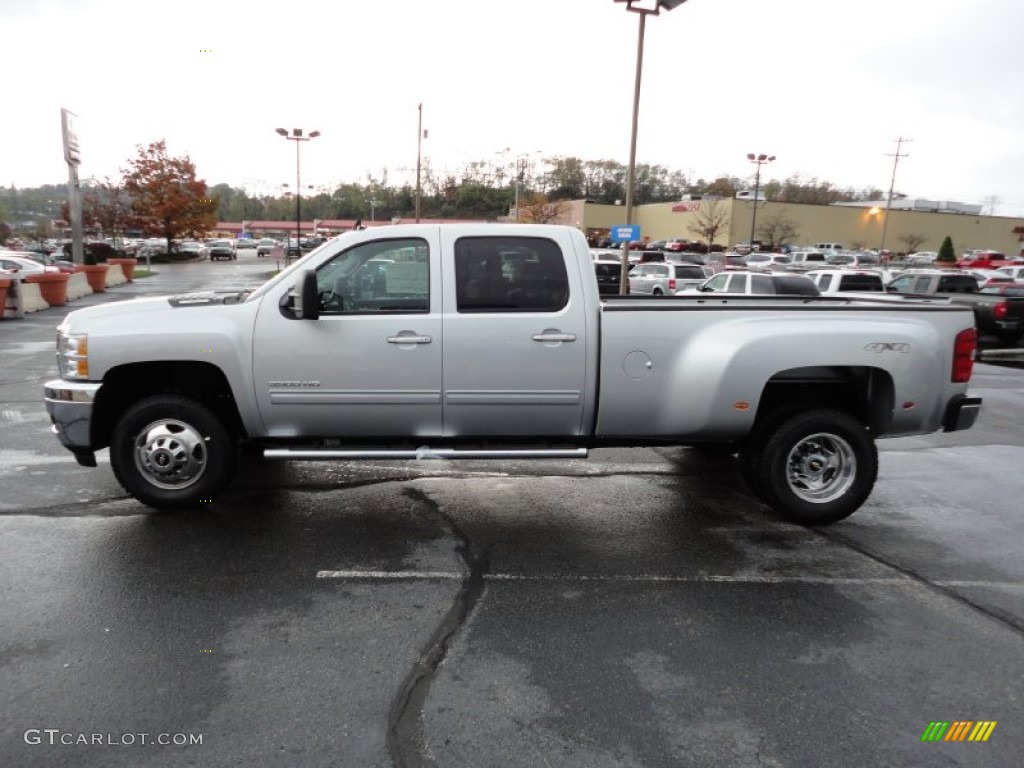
{"type": "Point", "coordinates": [170, 454]}
{"type": "Point", "coordinates": [821, 467]}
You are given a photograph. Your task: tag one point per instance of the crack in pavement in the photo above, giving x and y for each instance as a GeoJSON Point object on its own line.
{"type": "Point", "coordinates": [406, 738]}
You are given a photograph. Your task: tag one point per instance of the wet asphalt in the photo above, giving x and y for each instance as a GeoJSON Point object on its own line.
{"type": "Point", "coordinates": [637, 608]}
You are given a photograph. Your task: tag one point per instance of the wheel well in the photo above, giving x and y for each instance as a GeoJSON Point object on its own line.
{"type": "Point", "coordinates": [127, 384]}
{"type": "Point", "coordinates": [865, 393]}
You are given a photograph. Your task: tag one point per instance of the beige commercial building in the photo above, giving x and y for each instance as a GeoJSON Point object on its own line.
{"type": "Point", "coordinates": [855, 226]}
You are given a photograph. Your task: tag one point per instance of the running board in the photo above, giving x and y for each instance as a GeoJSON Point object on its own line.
{"type": "Point", "coordinates": [426, 453]}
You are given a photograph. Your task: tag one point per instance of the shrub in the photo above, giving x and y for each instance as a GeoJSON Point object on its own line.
{"type": "Point", "coordinates": [946, 252]}
{"type": "Point", "coordinates": [98, 253]}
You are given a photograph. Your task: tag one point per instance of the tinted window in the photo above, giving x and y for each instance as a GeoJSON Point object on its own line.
{"type": "Point", "coordinates": [761, 284]}
{"type": "Point", "coordinates": [509, 274]}
{"type": "Point", "coordinates": [689, 272]}
{"type": "Point", "coordinates": [958, 284]}
{"type": "Point", "coordinates": [824, 281]}
{"type": "Point", "coordinates": [379, 276]}
{"type": "Point", "coordinates": [793, 284]}
{"type": "Point", "coordinates": [860, 283]}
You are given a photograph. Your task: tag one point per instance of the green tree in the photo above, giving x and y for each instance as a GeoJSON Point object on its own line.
{"type": "Point", "coordinates": [167, 198]}
{"type": "Point", "coordinates": [946, 253]}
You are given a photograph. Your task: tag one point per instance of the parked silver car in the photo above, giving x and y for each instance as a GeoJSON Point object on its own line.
{"type": "Point", "coordinates": [666, 278]}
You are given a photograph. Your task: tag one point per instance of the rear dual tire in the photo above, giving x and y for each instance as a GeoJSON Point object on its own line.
{"type": "Point", "coordinates": [812, 467]}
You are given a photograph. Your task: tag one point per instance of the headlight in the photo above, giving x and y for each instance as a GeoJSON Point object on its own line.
{"type": "Point", "coordinates": [73, 355]}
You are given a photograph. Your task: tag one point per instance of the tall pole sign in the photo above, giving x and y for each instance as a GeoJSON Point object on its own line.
{"type": "Point", "coordinates": [72, 156]}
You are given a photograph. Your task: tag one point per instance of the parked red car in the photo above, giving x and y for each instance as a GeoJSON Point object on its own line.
{"type": "Point", "coordinates": [986, 260]}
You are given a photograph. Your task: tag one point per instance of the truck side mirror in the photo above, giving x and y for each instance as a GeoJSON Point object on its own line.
{"type": "Point", "coordinates": [309, 300]}
{"type": "Point", "coordinates": [302, 301]}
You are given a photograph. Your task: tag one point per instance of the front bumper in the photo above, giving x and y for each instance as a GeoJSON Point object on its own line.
{"type": "Point", "coordinates": [961, 413]}
{"type": "Point", "coordinates": [70, 405]}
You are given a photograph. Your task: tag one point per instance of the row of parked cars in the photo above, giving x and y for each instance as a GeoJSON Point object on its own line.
{"type": "Point", "coordinates": [995, 295]}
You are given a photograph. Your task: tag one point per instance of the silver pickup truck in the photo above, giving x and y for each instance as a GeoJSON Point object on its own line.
{"type": "Point", "coordinates": [492, 341]}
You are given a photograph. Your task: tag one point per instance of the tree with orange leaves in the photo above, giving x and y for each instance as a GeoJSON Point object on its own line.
{"type": "Point", "coordinates": [167, 199]}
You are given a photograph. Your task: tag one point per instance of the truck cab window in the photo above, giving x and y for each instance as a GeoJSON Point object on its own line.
{"type": "Point", "coordinates": [509, 274]}
{"type": "Point", "coordinates": [378, 276]}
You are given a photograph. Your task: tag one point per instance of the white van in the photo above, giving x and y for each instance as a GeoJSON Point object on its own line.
{"type": "Point", "coordinates": [829, 246]}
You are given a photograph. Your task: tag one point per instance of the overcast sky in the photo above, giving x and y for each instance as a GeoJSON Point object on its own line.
{"type": "Point", "coordinates": [826, 87]}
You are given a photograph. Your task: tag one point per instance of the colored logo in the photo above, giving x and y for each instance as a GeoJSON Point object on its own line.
{"type": "Point", "coordinates": [958, 730]}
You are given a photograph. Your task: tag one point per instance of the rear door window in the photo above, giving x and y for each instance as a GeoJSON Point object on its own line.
{"type": "Point", "coordinates": [509, 274]}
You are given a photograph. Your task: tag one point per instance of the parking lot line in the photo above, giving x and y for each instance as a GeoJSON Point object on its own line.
{"type": "Point", "coordinates": [641, 578]}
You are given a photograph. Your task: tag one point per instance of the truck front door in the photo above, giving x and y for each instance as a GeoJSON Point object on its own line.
{"type": "Point", "coordinates": [370, 365]}
{"type": "Point", "coordinates": [515, 352]}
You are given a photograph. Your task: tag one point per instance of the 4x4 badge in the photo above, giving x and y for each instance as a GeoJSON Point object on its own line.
{"type": "Point", "coordinates": [887, 346]}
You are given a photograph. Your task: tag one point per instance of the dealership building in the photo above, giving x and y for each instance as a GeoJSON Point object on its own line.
{"type": "Point", "coordinates": [855, 225]}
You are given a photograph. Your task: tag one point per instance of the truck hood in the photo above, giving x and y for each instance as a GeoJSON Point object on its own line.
{"type": "Point", "coordinates": [133, 310]}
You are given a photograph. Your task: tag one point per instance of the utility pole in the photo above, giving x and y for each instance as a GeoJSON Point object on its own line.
{"type": "Point", "coordinates": [892, 185]}
{"type": "Point", "coordinates": [419, 154]}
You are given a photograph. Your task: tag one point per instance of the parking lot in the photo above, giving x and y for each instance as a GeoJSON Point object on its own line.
{"type": "Point", "coordinates": [637, 608]}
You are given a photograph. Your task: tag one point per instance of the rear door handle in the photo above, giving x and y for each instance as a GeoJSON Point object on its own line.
{"type": "Point", "coordinates": [549, 336]}
{"type": "Point", "coordinates": [408, 337]}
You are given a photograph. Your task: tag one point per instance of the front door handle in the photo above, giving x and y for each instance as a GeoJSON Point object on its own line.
{"type": "Point", "coordinates": [549, 336]}
{"type": "Point", "coordinates": [409, 337]}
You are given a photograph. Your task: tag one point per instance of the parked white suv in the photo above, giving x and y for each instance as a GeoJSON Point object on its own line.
{"type": "Point", "coordinates": [1017, 273]}
{"type": "Point", "coordinates": [759, 283]}
{"type": "Point", "coordinates": [837, 281]}
{"type": "Point", "coordinates": [768, 260]}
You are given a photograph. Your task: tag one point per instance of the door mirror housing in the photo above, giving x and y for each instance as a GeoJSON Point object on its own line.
{"type": "Point", "coordinates": [302, 302]}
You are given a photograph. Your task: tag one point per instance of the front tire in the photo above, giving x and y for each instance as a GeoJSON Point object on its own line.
{"type": "Point", "coordinates": [171, 452]}
{"type": "Point", "coordinates": [817, 467]}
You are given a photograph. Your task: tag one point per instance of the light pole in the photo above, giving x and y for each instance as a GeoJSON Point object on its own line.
{"type": "Point", "coordinates": [421, 134]}
{"type": "Point", "coordinates": [644, 8]}
{"type": "Point", "coordinates": [892, 185]}
{"type": "Point", "coordinates": [298, 138]}
{"type": "Point", "coordinates": [759, 160]}
{"type": "Point", "coordinates": [522, 163]}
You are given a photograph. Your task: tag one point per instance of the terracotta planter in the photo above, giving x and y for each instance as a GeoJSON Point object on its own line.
{"type": "Point", "coordinates": [127, 266]}
{"type": "Point", "coordinates": [53, 286]}
{"type": "Point", "coordinates": [4, 285]}
{"type": "Point", "coordinates": [96, 274]}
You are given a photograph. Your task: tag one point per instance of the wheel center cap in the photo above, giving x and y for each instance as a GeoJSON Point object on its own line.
{"type": "Point", "coordinates": [161, 458]}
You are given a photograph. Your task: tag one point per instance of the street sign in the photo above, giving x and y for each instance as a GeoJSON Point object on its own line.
{"type": "Point", "coordinates": [625, 233]}
{"type": "Point", "coordinates": [72, 152]}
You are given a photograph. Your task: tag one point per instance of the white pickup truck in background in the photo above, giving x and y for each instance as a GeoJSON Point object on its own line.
{"type": "Point", "coordinates": [492, 341]}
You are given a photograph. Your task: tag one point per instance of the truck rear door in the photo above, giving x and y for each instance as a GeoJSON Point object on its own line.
{"type": "Point", "coordinates": [514, 325]}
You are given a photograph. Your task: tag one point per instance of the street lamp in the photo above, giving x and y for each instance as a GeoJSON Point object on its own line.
{"type": "Point", "coordinates": [522, 163]}
{"type": "Point", "coordinates": [759, 160]}
{"type": "Point", "coordinates": [644, 8]}
{"type": "Point", "coordinates": [298, 138]}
